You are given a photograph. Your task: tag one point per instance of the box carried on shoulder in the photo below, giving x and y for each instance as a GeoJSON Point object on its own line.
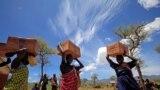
{"type": "Point", "coordinates": [15, 43]}
{"type": "Point", "coordinates": [70, 48]}
{"type": "Point", "coordinates": [117, 48]}
{"type": "Point", "coordinates": [3, 49]}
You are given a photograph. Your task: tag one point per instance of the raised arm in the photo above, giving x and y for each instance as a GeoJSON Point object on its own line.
{"type": "Point", "coordinates": [8, 55]}
{"type": "Point", "coordinates": [5, 63]}
{"type": "Point", "coordinates": [133, 62]}
{"type": "Point", "coordinates": [112, 64]}
{"type": "Point", "coordinates": [63, 55]}
{"type": "Point", "coordinates": [63, 59]}
{"type": "Point", "coordinates": [80, 64]}
{"type": "Point", "coordinates": [20, 55]}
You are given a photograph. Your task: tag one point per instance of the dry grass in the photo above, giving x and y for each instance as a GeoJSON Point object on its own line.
{"type": "Point", "coordinates": [104, 88]}
{"type": "Point", "coordinates": [81, 88]}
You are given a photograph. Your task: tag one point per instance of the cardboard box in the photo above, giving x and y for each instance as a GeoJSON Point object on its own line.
{"type": "Point", "coordinates": [2, 49]}
{"type": "Point", "coordinates": [116, 48]}
{"type": "Point", "coordinates": [4, 69]}
{"type": "Point", "coordinates": [32, 61]}
{"type": "Point", "coordinates": [15, 43]}
{"type": "Point", "coordinates": [70, 48]}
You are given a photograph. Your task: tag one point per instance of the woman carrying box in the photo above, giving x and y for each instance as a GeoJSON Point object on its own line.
{"type": "Point", "coordinates": [19, 70]}
{"type": "Point", "coordinates": [124, 74]}
{"type": "Point", "coordinates": [70, 79]}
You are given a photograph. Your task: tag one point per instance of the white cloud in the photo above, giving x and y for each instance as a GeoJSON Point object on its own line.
{"type": "Point", "coordinates": [33, 79]}
{"type": "Point", "coordinates": [148, 4]}
{"type": "Point", "coordinates": [91, 66]}
{"type": "Point", "coordinates": [101, 56]}
{"type": "Point", "coordinates": [108, 39]}
{"type": "Point", "coordinates": [81, 19]}
{"type": "Point", "coordinates": [126, 42]}
{"type": "Point", "coordinates": [153, 26]}
{"type": "Point", "coordinates": [100, 60]}
{"type": "Point", "coordinates": [50, 22]}
{"type": "Point", "coordinates": [84, 35]}
{"type": "Point", "coordinates": [151, 70]}
{"type": "Point", "coordinates": [78, 38]}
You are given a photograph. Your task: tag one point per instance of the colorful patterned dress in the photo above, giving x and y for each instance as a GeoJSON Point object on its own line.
{"type": "Point", "coordinates": [19, 79]}
{"type": "Point", "coordinates": [69, 81]}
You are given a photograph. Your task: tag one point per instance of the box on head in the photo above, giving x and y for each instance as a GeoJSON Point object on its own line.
{"type": "Point", "coordinates": [69, 48]}
{"type": "Point", "coordinates": [3, 49]}
{"type": "Point", "coordinates": [16, 43]}
{"type": "Point", "coordinates": [116, 48]}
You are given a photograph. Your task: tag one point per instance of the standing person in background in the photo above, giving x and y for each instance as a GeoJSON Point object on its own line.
{"type": "Point", "coordinates": [124, 74]}
{"type": "Point", "coordinates": [53, 81]}
{"type": "Point", "coordinates": [19, 70]}
{"type": "Point", "coordinates": [44, 82]}
{"type": "Point", "coordinates": [70, 74]}
{"type": "Point", "coordinates": [35, 87]}
{"type": "Point", "coordinates": [149, 85]}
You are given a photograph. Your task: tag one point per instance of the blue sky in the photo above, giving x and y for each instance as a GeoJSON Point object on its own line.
{"type": "Point", "coordinates": [88, 23]}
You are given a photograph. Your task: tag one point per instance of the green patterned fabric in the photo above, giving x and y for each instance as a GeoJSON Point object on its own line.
{"type": "Point", "coordinates": [19, 79]}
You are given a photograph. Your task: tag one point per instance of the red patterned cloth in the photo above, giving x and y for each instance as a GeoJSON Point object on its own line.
{"type": "Point", "coordinates": [69, 81]}
{"type": "Point", "coordinates": [3, 79]}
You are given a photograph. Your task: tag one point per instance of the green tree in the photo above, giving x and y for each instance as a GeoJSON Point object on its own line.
{"type": "Point", "coordinates": [94, 78]}
{"type": "Point", "coordinates": [136, 35]}
{"type": "Point", "coordinates": [84, 80]}
{"type": "Point", "coordinates": [44, 52]}
{"type": "Point", "coordinates": [113, 78]}
{"type": "Point", "coordinates": [158, 48]}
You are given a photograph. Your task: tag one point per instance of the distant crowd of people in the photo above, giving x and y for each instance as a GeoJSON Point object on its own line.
{"type": "Point", "coordinates": [150, 85]}
{"type": "Point", "coordinates": [45, 80]}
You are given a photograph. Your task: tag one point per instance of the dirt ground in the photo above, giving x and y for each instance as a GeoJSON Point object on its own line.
{"type": "Point", "coordinates": [81, 88]}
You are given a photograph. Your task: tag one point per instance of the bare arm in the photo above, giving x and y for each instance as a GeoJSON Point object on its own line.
{"type": "Point", "coordinates": [81, 65]}
{"type": "Point", "coordinates": [112, 64]}
{"type": "Point", "coordinates": [133, 62]}
{"type": "Point", "coordinates": [8, 55]}
{"type": "Point", "coordinates": [5, 63]}
{"type": "Point", "coordinates": [109, 60]}
{"type": "Point", "coordinates": [20, 55]}
{"type": "Point", "coordinates": [63, 59]}
{"type": "Point", "coordinates": [63, 55]}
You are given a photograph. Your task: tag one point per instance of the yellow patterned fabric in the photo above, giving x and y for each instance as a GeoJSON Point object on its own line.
{"type": "Point", "coordinates": [19, 79]}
